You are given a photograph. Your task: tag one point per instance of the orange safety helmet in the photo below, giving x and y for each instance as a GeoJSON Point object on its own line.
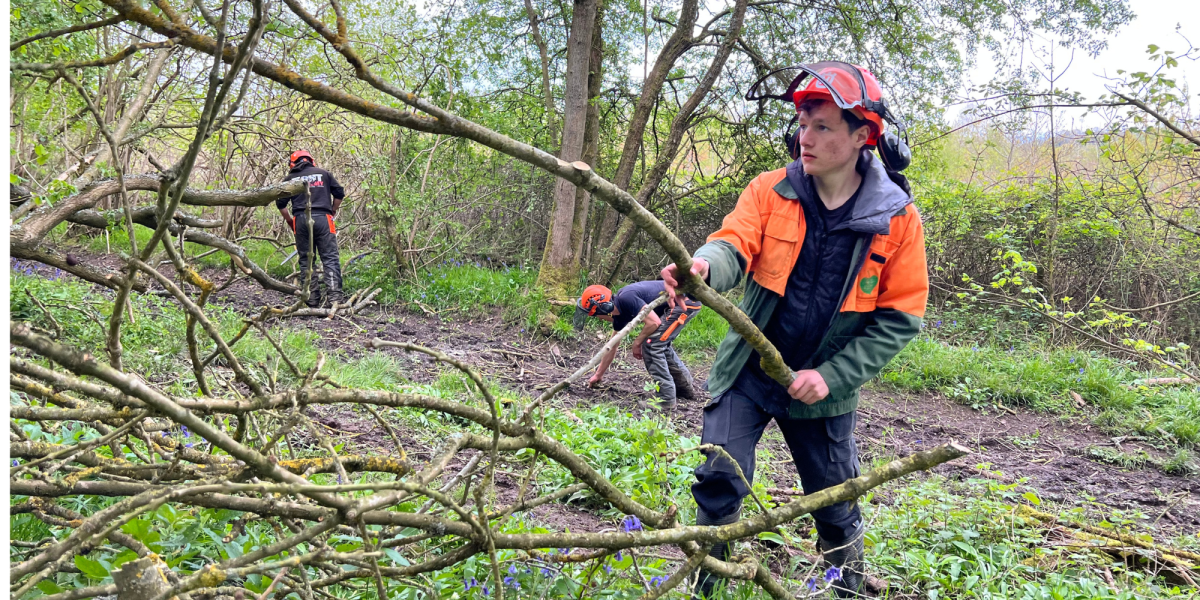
{"type": "Point", "coordinates": [847, 92]}
{"type": "Point", "coordinates": [297, 156]}
{"type": "Point", "coordinates": [852, 88]}
{"type": "Point", "coordinates": [596, 300]}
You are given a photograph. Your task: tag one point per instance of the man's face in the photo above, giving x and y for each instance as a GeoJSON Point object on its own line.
{"type": "Point", "coordinates": [826, 142]}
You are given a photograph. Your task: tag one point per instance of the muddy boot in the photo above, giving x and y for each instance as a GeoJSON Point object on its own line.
{"type": "Point", "coordinates": [683, 385]}
{"type": "Point", "coordinates": [849, 561]}
{"type": "Point", "coordinates": [314, 298]}
{"type": "Point", "coordinates": [666, 405]}
{"type": "Point", "coordinates": [709, 584]}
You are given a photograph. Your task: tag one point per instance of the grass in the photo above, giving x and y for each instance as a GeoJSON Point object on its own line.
{"type": "Point", "coordinates": [1043, 379]}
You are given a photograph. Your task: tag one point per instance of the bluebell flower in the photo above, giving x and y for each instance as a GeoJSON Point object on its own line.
{"type": "Point", "coordinates": [1072, 361]}
{"type": "Point", "coordinates": [512, 569]}
{"type": "Point", "coordinates": [469, 583]}
{"type": "Point", "coordinates": [1080, 369]}
{"type": "Point", "coordinates": [15, 463]}
{"type": "Point", "coordinates": [833, 574]}
{"type": "Point", "coordinates": [812, 584]}
{"type": "Point", "coordinates": [918, 441]}
{"type": "Point", "coordinates": [631, 524]}
{"type": "Point", "coordinates": [658, 580]}
{"type": "Point", "coordinates": [339, 477]}
{"type": "Point", "coordinates": [608, 569]}
{"type": "Point", "coordinates": [546, 572]}
{"type": "Point", "coordinates": [564, 550]}
{"type": "Point", "coordinates": [618, 556]}
{"type": "Point", "coordinates": [512, 583]}
{"type": "Point", "coordinates": [938, 324]}
{"type": "Point", "coordinates": [188, 445]}
{"type": "Point", "coordinates": [954, 322]}
{"type": "Point", "coordinates": [186, 433]}
{"type": "Point", "coordinates": [485, 590]}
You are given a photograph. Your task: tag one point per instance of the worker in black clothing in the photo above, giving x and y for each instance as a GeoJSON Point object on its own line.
{"type": "Point", "coordinates": [325, 197]}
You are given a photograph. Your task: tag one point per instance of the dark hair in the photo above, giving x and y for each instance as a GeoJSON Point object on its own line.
{"type": "Point", "coordinates": [849, 117]}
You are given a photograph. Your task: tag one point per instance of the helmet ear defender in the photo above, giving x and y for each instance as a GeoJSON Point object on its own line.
{"type": "Point", "coordinates": [893, 148]}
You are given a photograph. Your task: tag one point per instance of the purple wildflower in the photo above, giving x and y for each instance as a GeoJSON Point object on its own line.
{"type": "Point", "coordinates": [812, 584]}
{"type": "Point", "coordinates": [833, 574]}
{"type": "Point", "coordinates": [16, 463]}
{"type": "Point", "coordinates": [631, 524]}
{"type": "Point", "coordinates": [618, 556]}
{"type": "Point", "coordinates": [658, 580]}
{"type": "Point", "coordinates": [546, 572]}
{"type": "Point", "coordinates": [608, 569]}
{"type": "Point", "coordinates": [469, 583]}
{"type": "Point", "coordinates": [512, 569]}
{"type": "Point", "coordinates": [512, 583]}
{"type": "Point", "coordinates": [186, 433]}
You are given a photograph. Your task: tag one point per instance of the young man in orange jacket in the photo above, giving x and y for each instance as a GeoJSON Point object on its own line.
{"type": "Point", "coordinates": [836, 255]}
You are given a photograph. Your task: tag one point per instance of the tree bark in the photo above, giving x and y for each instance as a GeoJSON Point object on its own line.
{"type": "Point", "coordinates": [679, 42]}
{"type": "Point", "coordinates": [557, 260]}
{"type": "Point", "coordinates": [544, 56]}
{"type": "Point", "coordinates": [666, 155]}
{"type": "Point", "coordinates": [591, 140]}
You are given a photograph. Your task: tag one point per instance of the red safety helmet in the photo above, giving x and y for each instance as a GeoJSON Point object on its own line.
{"type": "Point", "coordinates": [596, 300]}
{"type": "Point", "coordinates": [297, 156]}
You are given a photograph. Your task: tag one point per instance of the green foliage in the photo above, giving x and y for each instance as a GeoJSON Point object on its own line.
{"type": "Point", "coordinates": [963, 540]}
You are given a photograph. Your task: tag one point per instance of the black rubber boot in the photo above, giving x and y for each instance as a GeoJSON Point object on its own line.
{"type": "Point", "coordinates": [847, 556]}
{"type": "Point", "coordinates": [707, 583]}
{"type": "Point", "coordinates": [334, 294]}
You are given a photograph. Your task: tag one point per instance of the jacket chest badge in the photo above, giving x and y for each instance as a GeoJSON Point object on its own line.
{"type": "Point", "coordinates": [868, 285]}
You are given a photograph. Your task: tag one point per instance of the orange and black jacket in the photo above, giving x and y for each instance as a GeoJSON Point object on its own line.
{"type": "Point", "coordinates": [883, 295]}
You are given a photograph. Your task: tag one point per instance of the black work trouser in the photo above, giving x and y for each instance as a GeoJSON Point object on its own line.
{"type": "Point", "coordinates": [823, 449]}
{"type": "Point", "coordinates": [325, 242]}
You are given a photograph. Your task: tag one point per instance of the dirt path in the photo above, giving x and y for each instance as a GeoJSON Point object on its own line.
{"type": "Point", "coordinates": [1053, 455]}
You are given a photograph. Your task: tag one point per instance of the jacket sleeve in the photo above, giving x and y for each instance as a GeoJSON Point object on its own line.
{"type": "Point", "coordinates": [731, 248]}
{"type": "Point", "coordinates": [896, 320]}
{"type": "Point", "coordinates": [282, 203]}
{"type": "Point", "coordinates": [335, 188]}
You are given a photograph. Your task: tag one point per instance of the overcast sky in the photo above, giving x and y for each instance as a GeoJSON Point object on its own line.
{"type": "Point", "coordinates": [1155, 24]}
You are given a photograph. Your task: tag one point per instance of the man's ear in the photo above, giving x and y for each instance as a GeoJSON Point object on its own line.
{"type": "Point", "coordinates": [861, 135]}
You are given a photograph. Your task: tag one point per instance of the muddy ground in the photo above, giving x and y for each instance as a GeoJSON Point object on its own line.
{"type": "Point", "coordinates": [1049, 454]}
{"type": "Point", "coordinates": [1045, 453]}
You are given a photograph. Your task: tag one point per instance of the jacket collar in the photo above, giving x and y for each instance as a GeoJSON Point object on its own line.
{"type": "Point", "coordinates": [879, 198]}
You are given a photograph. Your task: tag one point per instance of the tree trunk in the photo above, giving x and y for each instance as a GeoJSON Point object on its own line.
{"type": "Point", "coordinates": [591, 139]}
{"type": "Point", "coordinates": [544, 55]}
{"type": "Point", "coordinates": [676, 45]}
{"type": "Point", "coordinates": [679, 125]}
{"type": "Point", "coordinates": [557, 260]}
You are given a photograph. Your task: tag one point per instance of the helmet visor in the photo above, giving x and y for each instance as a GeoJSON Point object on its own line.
{"type": "Point", "coordinates": [840, 80]}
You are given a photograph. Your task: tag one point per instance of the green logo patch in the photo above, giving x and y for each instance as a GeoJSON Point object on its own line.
{"type": "Point", "coordinates": [868, 285]}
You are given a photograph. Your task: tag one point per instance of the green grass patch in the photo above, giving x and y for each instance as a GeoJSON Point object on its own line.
{"type": "Point", "coordinates": [1043, 379]}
